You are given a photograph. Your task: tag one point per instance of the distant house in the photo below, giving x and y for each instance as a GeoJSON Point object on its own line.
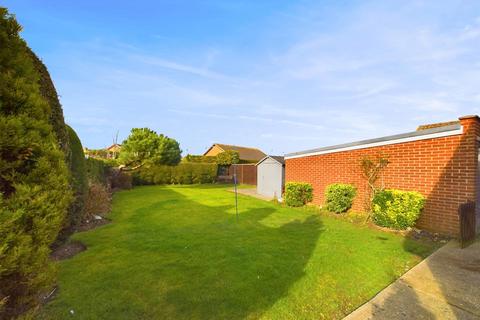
{"type": "Point", "coordinates": [246, 154]}
{"type": "Point", "coordinates": [111, 152]}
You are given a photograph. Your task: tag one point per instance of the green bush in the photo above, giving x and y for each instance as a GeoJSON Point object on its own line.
{"type": "Point", "coordinates": [161, 175]}
{"type": "Point", "coordinates": [103, 171]}
{"type": "Point", "coordinates": [110, 162]}
{"type": "Point", "coordinates": [199, 159]}
{"type": "Point", "coordinates": [97, 170]}
{"type": "Point", "coordinates": [34, 186]}
{"type": "Point", "coordinates": [298, 194]}
{"type": "Point", "coordinates": [78, 179]}
{"type": "Point", "coordinates": [98, 200]}
{"type": "Point", "coordinates": [119, 180]}
{"type": "Point", "coordinates": [397, 209]}
{"type": "Point", "coordinates": [184, 173]}
{"type": "Point", "coordinates": [339, 197]}
{"type": "Point", "coordinates": [227, 158]}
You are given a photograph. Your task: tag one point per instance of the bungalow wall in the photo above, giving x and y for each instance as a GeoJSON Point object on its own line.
{"type": "Point", "coordinates": [443, 169]}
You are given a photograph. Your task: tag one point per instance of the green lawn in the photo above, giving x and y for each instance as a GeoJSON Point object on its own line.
{"type": "Point", "coordinates": [180, 253]}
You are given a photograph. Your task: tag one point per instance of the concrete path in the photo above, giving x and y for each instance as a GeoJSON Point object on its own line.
{"type": "Point", "coordinates": [252, 192]}
{"type": "Point", "coordinates": [446, 285]}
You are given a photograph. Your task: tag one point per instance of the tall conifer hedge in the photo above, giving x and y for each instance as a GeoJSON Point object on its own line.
{"type": "Point", "coordinates": [78, 180]}
{"type": "Point", "coordinates": [34, 179]}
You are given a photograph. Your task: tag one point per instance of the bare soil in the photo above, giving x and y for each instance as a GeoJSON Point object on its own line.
{"type": "Point", "coordinates": [92, 224]}
{"type": "Point", "coordinates": [68, 250]}
{"type": "Point", "coordinates": [71, 248]}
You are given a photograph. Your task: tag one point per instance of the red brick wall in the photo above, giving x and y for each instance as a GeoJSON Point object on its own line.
{"type": "Point", "coordinates": [443, 169]}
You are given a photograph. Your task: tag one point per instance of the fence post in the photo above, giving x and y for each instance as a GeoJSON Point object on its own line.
{"type": "Point", "coordinates": [466, 212]}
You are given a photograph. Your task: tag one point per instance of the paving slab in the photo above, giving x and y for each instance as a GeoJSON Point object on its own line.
{"type": "Point", "coordinates": [252, 192]}
{"type": "Point", "coordinates": [446, 285]}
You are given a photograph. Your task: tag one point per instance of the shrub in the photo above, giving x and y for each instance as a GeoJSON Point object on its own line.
{"type": "Point", "coordinates": [98, 200]}
{"type": "Point", "coordinates": [78, 179]}
{"type": "Point", "coordinates": [120, 180]}
{"type": "Point", "coordinates": [184, 173]}
{"type": "Point", "coordinates": [339, 197]}
{"type": "Point", "coordinates": [228, 157]}
{"type": "Point", "coordinates": [110, 162]}
{"type": "Point", "coordinates": [298, 194]}
{"type": "Point", "coordinates": [34, 187]}
{"type": "Point", "coordinates": [161, 175]}
{"type": "Point", "coordinates": [199, 159]}
{"type": "Point", "coordinates": [206, 173]}
{"type": "Point", "coordinates": [96, 170]}
{"type": "Point", "coordinates": [397, 209]}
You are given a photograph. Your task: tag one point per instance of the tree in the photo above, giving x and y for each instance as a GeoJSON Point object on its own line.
{"type": "Point", "coordinates": [34, 187]}
{"type": "Point", "coordinates": [170, 153]}
{"type": "Point", "coordinates": [144, 145]}
{"type": "Point", "coordinates": [228, 157]}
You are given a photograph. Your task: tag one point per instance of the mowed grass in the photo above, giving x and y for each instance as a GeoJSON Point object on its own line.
{"type": "Point", "coordinates": [179, 252]}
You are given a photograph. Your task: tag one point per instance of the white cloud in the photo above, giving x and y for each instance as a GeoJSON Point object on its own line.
{"type": "Point", "coordinates": [356, 72]}
{"type": "Point", "coordinates": [172, 65]}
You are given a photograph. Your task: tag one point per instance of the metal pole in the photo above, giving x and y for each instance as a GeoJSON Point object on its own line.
{"type": "Point", "coordinates": [235, 184]}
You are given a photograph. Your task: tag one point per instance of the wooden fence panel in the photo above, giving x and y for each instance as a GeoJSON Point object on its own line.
{"type": "Point", "coordinates": [246, 173]}
{"type": "Point", "coordinates": [466, 212]}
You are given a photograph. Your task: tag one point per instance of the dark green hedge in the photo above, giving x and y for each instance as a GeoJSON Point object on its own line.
{"type": "Point", "coordinates": [199, 159]}
{"type": "Point", "coordinates": [184, 173]}
{"type": "Point", "coordinates": [48, 92]}
{"type": "Point", "coordinates": [34, 179]}
{"type": "Point", "coordinates": [97, 170]}
{"type": "Point", "coordinates": [79, 180]}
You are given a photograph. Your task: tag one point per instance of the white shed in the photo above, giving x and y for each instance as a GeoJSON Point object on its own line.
{"type": "Point", "coordinates": [271, 176]}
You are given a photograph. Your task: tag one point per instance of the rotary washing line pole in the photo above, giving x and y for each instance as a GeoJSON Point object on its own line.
{"type": "Point", "coordinates": [235, 186]}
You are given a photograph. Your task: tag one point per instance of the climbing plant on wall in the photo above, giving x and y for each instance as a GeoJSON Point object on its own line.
{"type": "Point", "coordinates": [372, 168]}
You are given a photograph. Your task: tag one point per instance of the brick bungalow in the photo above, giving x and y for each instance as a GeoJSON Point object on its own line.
{"type": "Point", "coordinates": [246, 171]}
{"type": "Point", "coordinates": [439, 160]}
{"type": "Point", "coordinates": [246, 154]}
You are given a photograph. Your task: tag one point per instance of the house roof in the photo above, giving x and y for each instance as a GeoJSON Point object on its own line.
{"type": "Point", "coordinates": [279, 159]}
{"type": "Point", "coordinates": [437, 125]}
{"type": "Point", "coordinates": [404, 137]}
{"type": "Point", "coordinates": [114, 146]}
{"type": "Point", "coordinates": [245, 153]}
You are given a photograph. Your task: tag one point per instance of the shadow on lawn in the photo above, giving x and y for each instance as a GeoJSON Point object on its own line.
{"type": "Point", "coordinates": [218, 267]}
{"type": "Point", "coordinates": [440, 288]}
{"type": "Point", "coordinates": [401, 302]}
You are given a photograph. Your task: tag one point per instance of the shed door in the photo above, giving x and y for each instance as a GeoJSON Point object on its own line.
{"type": "Point", "coordinates": [269, 179]}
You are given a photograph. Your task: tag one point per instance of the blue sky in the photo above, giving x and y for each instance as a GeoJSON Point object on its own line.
{"type": "Point", "coordinates": [279, 75]}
